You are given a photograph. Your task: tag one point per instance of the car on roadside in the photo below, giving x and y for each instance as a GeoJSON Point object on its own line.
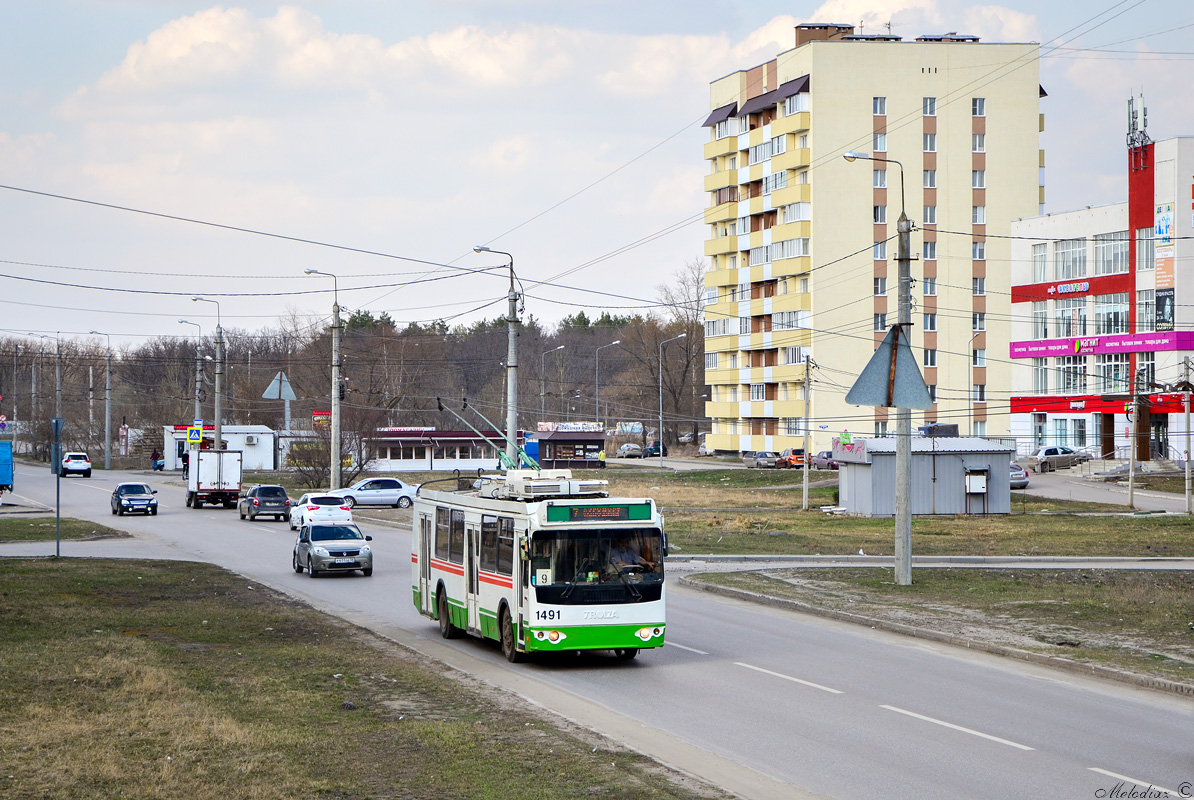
{"type": "Point", "coordinates": [318, 507]}
{"type": "Point", "coordinates": [761, 459]}
{"type": "Point", "coordinates": [824, 460]}
{"type": "Point", "coordinates": [377, 492]}
{"type": "Point", "coordinates": [791, 458]}
{"type": "Point", "coordinates": [629, 450]}
{"type": "Point", "coordinates": [325, 547]}
{"type": "Point", "coordinates": [705, 450]}
{"type": "Point", "coordinates": [1046, 459]}
{"type": "Point", "coordinates": [652, 450]}
{"type": "Point", "coordinates": [270, 501]}
{"type": "Point", "coordinates": [75, 464]}
{"type": "Point", "coordinates": [1019, 476]}
{"type": "Point", "coordinates": [129, 498]}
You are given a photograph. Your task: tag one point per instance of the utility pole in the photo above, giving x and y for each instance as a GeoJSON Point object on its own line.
{"type": "Point", "coordinates": [513, 329]}
{"type": "Point", "coordinates": [58, 377]}
{"type": "Point", "coordinates": [1186, 407]}
{"type": "Point", "coordinates": [16, 349]}
{"type": "Point", "coordinates": [219, 410]}
{"type": "Point", "coordinates": [903, 535]}
{"type": "Point", "coordinates": [807, 422]}
{"type": "Point", "coordinates": [108, 411]}
{"type": "Point", "coordinates": [335, 438]}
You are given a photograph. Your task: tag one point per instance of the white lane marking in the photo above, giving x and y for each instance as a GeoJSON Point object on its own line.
{"type": "Point", "coordinates": [958, 728]}
{"type": "Point", "coordinates": [789, 678]}
{"type": "Point", "coordinates": [1119, 777]}
{"type": "Point", "coordinates": [689, 649]}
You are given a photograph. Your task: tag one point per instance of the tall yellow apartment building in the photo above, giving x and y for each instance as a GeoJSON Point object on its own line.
{"type": "Point", "coordinates": [802, 243]}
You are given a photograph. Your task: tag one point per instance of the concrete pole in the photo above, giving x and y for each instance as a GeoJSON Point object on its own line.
{"type": "Point", "coordinates": [513, 331]}
{"type": "Point", "coordinates": [903, 526]}
{"type": "Point", "coordinates": [58, 380]}
{"type": "Point", "coordinates": [198, 381]}
{"type": "Point", "coordinates": [807, 422]}
{"type": "Point", "coordinates": [335, 438]}
{"type": "Point", "coordinates": [16, 349]}
{"type": "Point", "coordinates": [108, 412]}
{"type": "Point", "coordinates": [90, 399]}
{"type": "Point", "coordinates": [219, 410]}
{"type": "Point", "coordinates": [1186, 406]}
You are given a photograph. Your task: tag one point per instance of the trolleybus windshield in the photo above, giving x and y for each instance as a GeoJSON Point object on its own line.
{"type": "Point", "coordinates": [597, 565]}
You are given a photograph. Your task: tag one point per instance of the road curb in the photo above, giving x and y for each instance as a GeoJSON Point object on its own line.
{"type": "Point", "coordinates": [1057, 662]}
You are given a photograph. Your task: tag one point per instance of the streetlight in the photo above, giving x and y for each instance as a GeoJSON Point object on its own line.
{"type": "Point", "coordinates": [543, 381]}
{"type": "Point", "coordinates": [219, 409]}
{"type": "Point", "coordinates": [334, 479]}
{"type": "Point", "coordinates": [597, 379]}
{"type": "Point", "coordinates": [198, 366]}
{"type": "Point", "coordinates": [512, 326]}
{"type": "Point", "coordinates": [903, 513]}
{"type": "Point", "coordinates": [661, 344]}
{"type": "Point", "coordinates": [107, 403]}
{"type": "Point", "coordinates": [16, 349]}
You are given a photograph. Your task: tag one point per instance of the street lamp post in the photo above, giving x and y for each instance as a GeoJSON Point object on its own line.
{"type": "Point", "coordinates": [15, 349]}
{"type": "Point", "coordinates": [597, 378]}
{"type": "Point", "coordinates": [219, 406]}
{"type": "Point", "coordinates": [543, 382]}
{"type": "Point", "coordinates": [198, 365]}
{"type": "Point", "coordinates": [107, 403]}
{"type": "Point", "coordinates": [903, 515]}
{"type": "Point", "coordinates": [661, 345]}
{"type": "Point", "coordinates": [513, 327]}
{"type": "Point", "coordinates": [334, 479]}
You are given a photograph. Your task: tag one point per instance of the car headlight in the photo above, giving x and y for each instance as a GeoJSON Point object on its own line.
{"type": "Point", "coordinates": [365, 550]}
{"type": "Point", "coordinates": [320, 551]}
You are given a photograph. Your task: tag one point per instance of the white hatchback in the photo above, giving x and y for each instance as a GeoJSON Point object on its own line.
{"type": "Point", "coordinates": [318, 507]}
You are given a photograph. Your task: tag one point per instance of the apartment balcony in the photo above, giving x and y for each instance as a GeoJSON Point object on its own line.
{"type": "Point", "coordinates": [720, 180]}
{"type": "Point", "coordinates": [792, 193]}
{"type": "Point", "coordinates": [721, 147]}
{"type": "Point", "coordinates": [796, 158]}
{"type": "Point", "coordinates": [791, 124]}
{"type": "Point", "coordinates": [721, 213]}
{"type": "Point", "coordinates": [721, 245]}
{"type": "Point", "coordinates": [721, 277]}
{"type": "Point", "coordinates": [791, 230]}
{"type": "Point", "coordinates": [721, 410]}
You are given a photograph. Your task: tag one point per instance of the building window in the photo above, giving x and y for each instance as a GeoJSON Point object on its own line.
{"type": "Point", "coordinates": [1040, 263]}
{"type": "Point", "coordinates": [929, 285]}
{"type": "Point", "coordinates": [930, 322]}
{"type": "Point", "coordinates": [804, 285]}
{"type": "Point", "coordinates": [1040, 375]}
{"type": "Point", "coordinates": [879, 106]}
{"type": "Point", "coordinates": [929, 250]}
{"type": "Point", "coordinates": [1040, 319]}
{"type": "Point", "coordinates": [1069, 259]}
{"type": "Point", "coordinates": [978, 106]}
{"type": "Point", "coordinates": [733, 359]}
{"type": "Point", "coordinates": [711, 360]}
{"type": "Point", "coordinates": [879, 142]}
{"type": "Point", "coordinates": [880, 286]}
{"type": "Point", "coordinates": [797, 212]}
{"type": "Point", "coordinates": [1070, 315]}
{"type": "Point", "coordinates": [978, 428]}
{"type": "Point", "coordinates": [1145, 249]}
{"type": "Point", "coordinates": [743, 325]}
{"type": "Point", "coordinates": [930, 358]}
{"type": "Point", "coordinates": [792, 426]}
{"type": "Point", "coordinates": [930, 215]}
{"type": "Point", "coordinates": [930, 179]}
{"type": "Point", "coordinates": [978, 179]}
{"type": "Point", "coordinates": [803, 141]}
{"type": "Point", "coordinates": [1111, 373]}
{"type": "Point", "coordinates": [796, 103]}
{"type": "Point", "coordinates": [930, 142]}
{"type": "Point", "coordinates": [1061, 431]}
{"type": "Point", "coordinates": [880, 251]}
{"type": "Point", "coordinates": [1071, 374]}
{"type": "Point", "coordinates": [1146, 364]}
{"type": "Point", "coordinates": [880, 322]}
{"type": "Point", "coordinates": [930, 106]}
{"type": "Point", "coordinates": [978, 251]}
{"type": "Point", "coordinates": [881, 428]}
{"type": "Point", "coordinates": [758, 391]}
{"type": "Point", "coordinates": [1079, 432]}
{"type": "Point", "coordinates": [879, 181]}
{"type": "Point", "coordinates": [978, 357]}
{"type": "Point", "coordinates": [978, 215]}
{"type": "Point", "coordinates": [1111, 253]}
{"type": "Point", "coordinates": [802, 176]}
{"type": "Point", "coordinates": [933, 392]}
{"type": "Point", "coordinates": [880, 215]}
{"type": "Point", "coordinates": [978, 286]}
{"type": "Point", "coordinates": [1146, 311]}
{"type": "Point", "coordinates": [1111, 313]}
{"type": "Point", "coordinates": [978, 393]}
{"type": "Point", "coordinates": [978, 321]}
{"type": "Point", "coordinates": [978, 142]}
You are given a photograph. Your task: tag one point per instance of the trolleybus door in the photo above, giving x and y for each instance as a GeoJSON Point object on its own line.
{"type": "Point", "coordinates": [472, 558]}
{"type": "Point", "coordinates": [425, 532]}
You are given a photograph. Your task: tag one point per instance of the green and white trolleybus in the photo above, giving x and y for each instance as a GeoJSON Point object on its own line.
{"type": "Point", "coordinates": [540, 562]}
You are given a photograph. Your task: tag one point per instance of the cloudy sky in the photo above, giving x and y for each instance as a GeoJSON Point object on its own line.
{"type": "Point", "coordinates": [380, 141]}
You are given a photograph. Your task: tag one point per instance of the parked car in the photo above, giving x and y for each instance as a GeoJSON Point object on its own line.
{"type": "Point", "coordinates": [824, 460]}
{"type": "Point", "coordinates": [705, 450]}
{"type": "Point", "coordinates": [130, 497]}
{"type": "Point", "coordinates": [267, 500]}
{"type": "Point", "coordinates": [652, 450]}
{"type": "Point", "coordinates": [332, 547]}
{"type": "Point", "coordinates": [318, 507]}
{"type": "Point", "coordinates": [792, 457]}
{"type": "Point", "coordinates": [75, 464]}
{"type": "Point", "coordinates": [763, 459]}
{"type": "Point", "coordinates": [629, 450]}
{"type": "Point", "coordinates": [684, 438]}
{"type": "Point", "coordinates": [1019, 476]}
{"type": "Point", "coordinates": [1056, 457]}
{"type": "Point", "coordinates": [378, 492]}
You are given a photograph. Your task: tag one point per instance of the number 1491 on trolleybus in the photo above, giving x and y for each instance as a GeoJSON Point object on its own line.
{"type": "Point", "coordinates": [540, 562]}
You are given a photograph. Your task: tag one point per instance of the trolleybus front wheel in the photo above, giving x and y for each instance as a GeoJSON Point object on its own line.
{"type": "Point", "coordinates": [625, 653]}
{"type": "Point", "coordinates": [509, 645]}
{"type": "Point", "coordinates": [446, 628]}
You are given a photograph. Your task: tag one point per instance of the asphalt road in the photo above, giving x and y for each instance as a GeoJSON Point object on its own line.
{"type": "Point", "coordinates": [763, 702]}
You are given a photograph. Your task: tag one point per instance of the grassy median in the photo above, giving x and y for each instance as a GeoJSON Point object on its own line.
{"type": "Point", "coordinates": [40, 529]}
{"type": "Point", "coordinates": [180, 680]}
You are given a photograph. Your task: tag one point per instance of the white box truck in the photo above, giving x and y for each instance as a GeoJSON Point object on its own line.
{"type": "Point", "coordinates": [214, 476]}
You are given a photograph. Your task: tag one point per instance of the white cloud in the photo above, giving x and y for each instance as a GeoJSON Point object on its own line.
{"type": "Point", "coordinates": [653, 65]}
{"type": "Point", "coordinates": [506, 155]}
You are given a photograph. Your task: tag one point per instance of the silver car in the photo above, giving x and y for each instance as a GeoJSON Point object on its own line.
{"type": "Point", "coordinates": [1019, 476]}
{"type": "Point", "coordinates": [332, 547]}
{"type": "Point", "coordinates": [377, 492]}
{"type": "Point", "coordinates": [1054, 457]}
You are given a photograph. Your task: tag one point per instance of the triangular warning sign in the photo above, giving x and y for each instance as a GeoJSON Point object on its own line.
{"type": "Point", "coordinates": [279, 389]}
{"type": "Point", "coordinates": [892, 377]}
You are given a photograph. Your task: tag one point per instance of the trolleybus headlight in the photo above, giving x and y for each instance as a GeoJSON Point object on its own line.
{"type": "Point", "coordinates": [554, 637]}
{"type": "Point", "coordinates": [647, 634]}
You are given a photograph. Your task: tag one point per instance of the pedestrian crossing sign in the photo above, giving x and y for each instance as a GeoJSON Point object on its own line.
{"type": "Point", "coordinates": [194, 434]}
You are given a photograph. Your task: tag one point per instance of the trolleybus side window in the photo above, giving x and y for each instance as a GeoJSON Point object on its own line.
{"type": "Point", "coordinates": [456, 540]}
{"type": "Point", "coordinates": [505, 546]}
{"type": "Point", "coordinates": [441, 533]}
{"type": "Point", "coordinates": [489, 542]}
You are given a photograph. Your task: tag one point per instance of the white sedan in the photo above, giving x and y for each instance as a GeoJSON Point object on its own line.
{"type": "Point", "coordinates": [378, 492]}
{"type": "Point", "coordinates": [318, 507]}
